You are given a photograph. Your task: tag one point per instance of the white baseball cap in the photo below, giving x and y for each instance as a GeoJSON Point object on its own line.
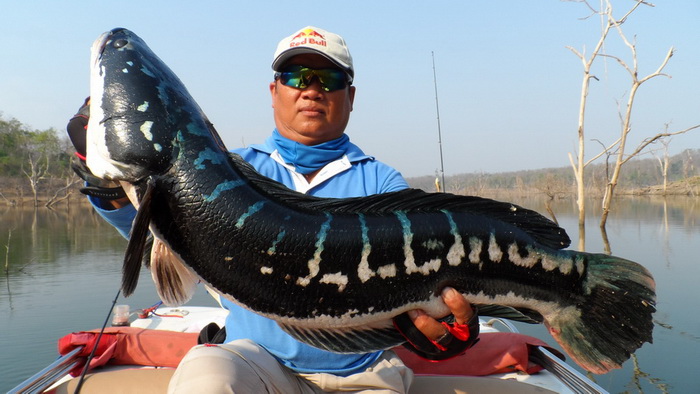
{"type": "Point", "coordinates": [314, 40]}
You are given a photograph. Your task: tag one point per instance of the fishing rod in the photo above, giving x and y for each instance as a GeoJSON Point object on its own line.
{"type": "Point", "coordinates": [437, 108]}
{"type": "Point", "coordinates": [97, 342]}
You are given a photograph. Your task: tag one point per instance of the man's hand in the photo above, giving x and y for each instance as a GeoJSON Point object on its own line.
{"type": "Point", "coordinates": [434, 340]}
{"type": "Point", "coordinates": [434, 330]}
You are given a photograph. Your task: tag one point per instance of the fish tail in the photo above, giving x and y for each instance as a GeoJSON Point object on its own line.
{"type": "Point", "coordinates": [614, 317]}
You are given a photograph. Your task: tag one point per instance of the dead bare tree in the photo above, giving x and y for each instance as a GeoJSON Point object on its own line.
{"type": "Point", "coordinates": [609, 22]}
{"type": "Point", "coordinates": [626, 128]}
{"type": "Point", "coordinates": [8, 201]}
{"type": "Point", "coordinates": [36, 173]}
{"type": "Point", "coordinates": [664, 162]}
{"type": "Point", "coordinates": [64, 192]}
{"type": "Point", "coordinates": [579, 163]}
{"type": "Point", "coordinates": [660, 137]}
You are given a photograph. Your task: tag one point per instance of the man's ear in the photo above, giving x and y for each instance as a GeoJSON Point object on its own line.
{"type": "Point", "coordinates": [273, 91]}
{"type": "Point", "coordinates": [351, 94]}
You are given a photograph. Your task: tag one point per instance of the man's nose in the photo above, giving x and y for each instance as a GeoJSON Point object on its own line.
{"type": "Point", "coordinates": [313, 90]}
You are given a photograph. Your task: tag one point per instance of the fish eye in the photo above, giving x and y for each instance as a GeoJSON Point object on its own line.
{"type": "Point", "coordinates": [120, 43]}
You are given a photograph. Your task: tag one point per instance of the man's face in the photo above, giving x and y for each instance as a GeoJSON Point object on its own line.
{"type": "Point", "coordinates": [311, 115]}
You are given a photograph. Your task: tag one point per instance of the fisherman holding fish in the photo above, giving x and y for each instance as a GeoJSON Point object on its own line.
{"type": "Point", "coordinates": [308, 151]}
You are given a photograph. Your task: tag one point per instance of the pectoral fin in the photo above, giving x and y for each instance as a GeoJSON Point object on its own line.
{"type": "Point", "coordinates": [175, 282]}
{"type": "Point", "coordinates": [137, 241]}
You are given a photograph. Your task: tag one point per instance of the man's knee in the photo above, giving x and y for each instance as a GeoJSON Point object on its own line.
{"type": "Point", "coordinates": [215, 369]}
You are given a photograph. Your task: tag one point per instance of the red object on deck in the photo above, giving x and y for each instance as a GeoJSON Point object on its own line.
{"type": "Point", "coordinates": [130, 346]}
{"type": "Point", "coordinates": [494, 353]}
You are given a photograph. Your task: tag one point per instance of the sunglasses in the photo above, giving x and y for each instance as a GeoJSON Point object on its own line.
{"type": "Point", "coordinates": [300, 77]}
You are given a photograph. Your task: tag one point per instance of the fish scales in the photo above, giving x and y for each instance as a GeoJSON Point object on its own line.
{"type": "Point", "coordinates": [334, 272]}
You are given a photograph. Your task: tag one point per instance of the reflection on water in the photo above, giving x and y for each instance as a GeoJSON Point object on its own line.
{"type": "Point", "coordinates": [62, 270]}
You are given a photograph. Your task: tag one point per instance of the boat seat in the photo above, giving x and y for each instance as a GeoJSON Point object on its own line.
{"type": "Point", "coordinates": [120, 381]}
{"type": "Point", "coordinates": [149, 380]}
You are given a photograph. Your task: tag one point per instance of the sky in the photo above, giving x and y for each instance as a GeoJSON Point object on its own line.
{"type": "Point", "coordinates": [508, 88]}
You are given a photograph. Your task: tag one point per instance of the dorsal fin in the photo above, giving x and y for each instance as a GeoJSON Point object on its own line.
{"type": "Point", "coordinates": [539, 227]}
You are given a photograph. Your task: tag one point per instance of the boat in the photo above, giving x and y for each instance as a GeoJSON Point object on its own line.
{"type": "Point", "coordinates": [527, 365]}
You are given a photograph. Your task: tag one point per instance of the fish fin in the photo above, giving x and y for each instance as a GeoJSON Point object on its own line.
{"type": "Point", "coordinates": [506, 312]}
{"type": "Point", "coordinates": [137, 241]}
{"type": "Point", "coordinates": [613, 319]}
{"type": "Point", "coordinates": [347, 340]}
{"type": "Point", "coordinates": [175, 282]}
{"type": "Point", "coordinates": [543, 230]}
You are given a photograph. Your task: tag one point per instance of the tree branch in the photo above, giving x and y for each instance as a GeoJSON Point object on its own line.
{"type": "Point", "coordinates": [651, 140]}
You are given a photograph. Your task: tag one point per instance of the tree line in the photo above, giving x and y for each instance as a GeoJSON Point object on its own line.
{"type": "Point", "coordinates": [34, 164]}
{"type": "Point", "coordinates": [640, 174]}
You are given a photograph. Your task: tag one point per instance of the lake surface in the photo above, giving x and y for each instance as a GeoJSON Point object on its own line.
{"type": "Point", "coordinates": [62, 269]}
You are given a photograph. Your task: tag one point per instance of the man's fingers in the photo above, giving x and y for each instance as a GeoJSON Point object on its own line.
{"type": "Point", "coordinates": [460, 307]}
{"type": "Point", "coordinates": [430, 327]}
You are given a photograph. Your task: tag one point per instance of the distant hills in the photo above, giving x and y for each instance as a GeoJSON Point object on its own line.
{"type": "Point", "coordinates": [638, 175]}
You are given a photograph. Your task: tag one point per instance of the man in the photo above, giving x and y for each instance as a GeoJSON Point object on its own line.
{"type": "Point", "coordinates": [312, 97]}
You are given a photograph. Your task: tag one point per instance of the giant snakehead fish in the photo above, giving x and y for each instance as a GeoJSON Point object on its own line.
{"type": "Point", "coordinates": [334, 272]}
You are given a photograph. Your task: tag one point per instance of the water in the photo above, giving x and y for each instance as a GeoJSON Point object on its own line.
{"type": "Point", "coordinates": [63, 271]}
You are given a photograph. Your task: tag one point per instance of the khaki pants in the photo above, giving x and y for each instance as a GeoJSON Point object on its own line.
{"type": "Point", "coordinates": [244, 367]}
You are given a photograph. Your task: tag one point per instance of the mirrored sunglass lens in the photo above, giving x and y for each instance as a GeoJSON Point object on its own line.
{"type": "Point", "coordinates": [292, 79]}
{"type": "Point", "coordinates": [300, 78]}
{"type": "Point", "coordinates": [332, 79]}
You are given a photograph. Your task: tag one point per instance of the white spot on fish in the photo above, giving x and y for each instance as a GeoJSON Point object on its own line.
{"type": "Point", "coordinates": [549, 263]}
{"type": "Point", "coordinates": [495, 252]}
{"type": "Point", "coordinates": [130, 63]}
{"type": "Point", "coordinates": [456, 252]}
{"type": "Point", "coordinates": [125, 70]}
{"type": "Point", "coordinates": [146, 130]}
{"type": "Point", "coordinates": [580, 265]}
{"type": "Point", "coordinates": [433, 244]}
{"type": "Point", "coordinates": [514, 256]}
{"type": "Point", "coordinates": [143, 107]}
{"type": "Point", "coordinates": [566, 266]}
{"type": "Point", "coordinates": [158, 147]}
{"type": "Point", "coordinates": [364, 272]}
{"type": "Point", "coordinates": [314, 263]}
{"type": "Point", "coordinates": [349, 314]}
{"type": "Point", "coordinates": [338, 279]}
{"type": "Point", "coordinates": [387, 271]}
{"type": "Point", "coordinates": [266, 270]}
{"type": "Point", "coordinates": [475, 246]}
{"type": "Point", "coordinates": [409, 259]}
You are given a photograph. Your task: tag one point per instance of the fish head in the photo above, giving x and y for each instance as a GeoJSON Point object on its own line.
{"type": "Point", "coordinates": [138, 106]}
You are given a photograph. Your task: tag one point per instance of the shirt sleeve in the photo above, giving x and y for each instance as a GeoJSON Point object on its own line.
{"type": "Point", "coordinates": [394, 181]}
{"type": "Point", "coordinates": [120, 218]}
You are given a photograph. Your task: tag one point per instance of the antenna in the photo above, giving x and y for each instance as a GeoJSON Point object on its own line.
{"type": "Point", "coordinates": [437, 108]}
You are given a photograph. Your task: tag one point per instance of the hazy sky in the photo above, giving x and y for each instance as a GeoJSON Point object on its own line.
{"type": "Point", "coordinates": [508, 87]}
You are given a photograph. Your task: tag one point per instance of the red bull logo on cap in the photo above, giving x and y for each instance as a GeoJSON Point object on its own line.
{"type": "Point", "coordinates": [308, 37]}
